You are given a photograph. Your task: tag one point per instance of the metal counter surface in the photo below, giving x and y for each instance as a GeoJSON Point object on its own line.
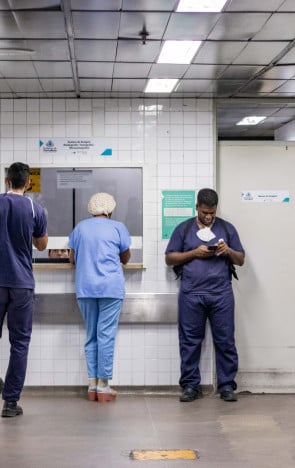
{"type": "Point", "coordinates": [151, 308]}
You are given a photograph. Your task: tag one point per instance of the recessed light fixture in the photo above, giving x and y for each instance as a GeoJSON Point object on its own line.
{"type": "Point", "coordinates": [199, 6]}
{"type": "Point", "coordinates": [160, 85]}
{"type": "Point", "coordinates": [178, 51]}
{"type": "Point", "coordinates": [251, 120]}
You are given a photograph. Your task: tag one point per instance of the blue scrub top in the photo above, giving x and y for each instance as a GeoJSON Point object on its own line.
{"type": "Point", "coordinates": [98, 243]}
{"type": "Point", "coordinates": [20, 220]}
{"type": "Point", "coordinates": [205, 275]}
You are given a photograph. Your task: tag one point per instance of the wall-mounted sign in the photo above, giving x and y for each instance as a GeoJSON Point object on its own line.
{"type": "Point", "coordinates": [265, 196]}
{"type": "Point", "coordinates": [177, 206]}
{"type": "Point", "coordinates": [35, 178]}
{"type": "Point", "coordinates": [77, 146]}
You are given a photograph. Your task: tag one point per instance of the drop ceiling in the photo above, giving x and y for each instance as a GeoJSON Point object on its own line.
{"type": "Point", "coordinates": [109, 48]}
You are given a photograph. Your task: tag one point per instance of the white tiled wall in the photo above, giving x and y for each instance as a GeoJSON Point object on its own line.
{"type": "Point", "coordinates": [173, 140]}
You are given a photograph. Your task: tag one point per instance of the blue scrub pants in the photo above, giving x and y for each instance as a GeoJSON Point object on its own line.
{"type": "Point", "coordinates": [193, 311]}
{"type": "Point", "coordinates": [18, 304]}
{"type": "Point", "coordinates": [101, 318]}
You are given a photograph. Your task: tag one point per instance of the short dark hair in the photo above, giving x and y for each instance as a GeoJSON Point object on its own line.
{"type": "Point", "coordinates": [208, 197]}
{"type": "Point", "coordinates": [18, 174]}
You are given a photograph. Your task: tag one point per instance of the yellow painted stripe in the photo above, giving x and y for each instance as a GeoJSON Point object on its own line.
{"type": "Point", "coordinates": [164, 454]}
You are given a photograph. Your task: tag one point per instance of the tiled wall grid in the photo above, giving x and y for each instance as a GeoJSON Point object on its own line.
{"type": "Point", "coordinates": [173, 140]}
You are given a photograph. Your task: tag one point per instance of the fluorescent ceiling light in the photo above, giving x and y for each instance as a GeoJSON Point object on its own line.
{"type": "Point", "coordinates": [159, 85]}
{"type": "Point", "coordinates": [251, 120]}
{"type": "Point", "coordinates": [178, 51]}
{"type": "Point", "coordinates": [209, 6]}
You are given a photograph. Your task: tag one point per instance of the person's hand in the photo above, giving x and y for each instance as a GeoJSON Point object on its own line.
{"type": "Point", "coordinates": [222, 247]}
{"type": "Point", "coordinates": [203, 252]}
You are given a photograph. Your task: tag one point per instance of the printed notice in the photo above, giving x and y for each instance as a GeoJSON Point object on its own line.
{"type": "Point", "coordinates": [265, 196]}
{"type": "Point", "coordinates": [177, 206]}
{"type": "Point", "coordinates": [74, 179]}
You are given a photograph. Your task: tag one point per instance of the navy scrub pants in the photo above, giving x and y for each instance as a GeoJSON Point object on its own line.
{"type": "Point", "coordinates": [18, 305]}
{"type": "Point", "coordinates": [193, 311]}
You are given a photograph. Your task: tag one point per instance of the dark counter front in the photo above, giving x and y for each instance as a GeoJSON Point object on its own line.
{"type": "Point", "coordinates": [150, 308]}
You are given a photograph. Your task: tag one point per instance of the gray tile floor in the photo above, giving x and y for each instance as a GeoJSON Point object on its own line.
{"type": "Point", "coordinates": [64, 430]}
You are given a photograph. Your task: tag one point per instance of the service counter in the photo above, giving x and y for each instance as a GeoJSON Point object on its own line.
{"type": "Point", "coordinates": [140, 308]}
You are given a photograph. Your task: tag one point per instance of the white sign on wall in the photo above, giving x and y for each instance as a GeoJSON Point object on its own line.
{"type": "Point", "coordinates": [78, 146]}
{"type": "Point", "coordinates": [265, 196]}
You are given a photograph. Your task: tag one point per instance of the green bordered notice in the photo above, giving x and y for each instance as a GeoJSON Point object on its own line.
{"type": "Point", "coordinates": [177, 206]}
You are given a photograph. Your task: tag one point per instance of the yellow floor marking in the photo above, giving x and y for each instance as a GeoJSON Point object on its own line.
{"type": "Point", "coordinates": [164, 454]}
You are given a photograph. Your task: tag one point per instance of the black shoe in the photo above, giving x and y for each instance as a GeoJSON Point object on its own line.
{"type": "Point", "coordinates": [11, 409]}
{"type": "Point", "coordinates": [190, 394]}
{"type": "Point", "coordinates": [1, 385]}
{"type": "Point", "coordinates": [228, 395]}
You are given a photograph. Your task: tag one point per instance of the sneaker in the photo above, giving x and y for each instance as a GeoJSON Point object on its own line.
{"type": "Point", "coordinates": [11, 409]}
{"type": "Point", "coordinates": [92, 393]}
{"type": "Point", "coordinates": [1, 385]}
{"type": "Point", "coordinates": [190, 394]}
{"type": "Point", "coordinates": [228, 395]}
{"type": "Point", "coordinates": [104, 394]}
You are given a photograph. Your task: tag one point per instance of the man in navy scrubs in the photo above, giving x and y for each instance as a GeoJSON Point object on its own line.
{"type": "Point", "coordinates": [22, 222]}
{"type": "Point", "coordinates": [205, 251]}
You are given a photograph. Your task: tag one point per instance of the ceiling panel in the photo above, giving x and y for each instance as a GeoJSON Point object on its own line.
{"type": "Point", "coordinates": [135, 51]}
{"type": "Point", "coordinates": [187, 26]}
{"type": "Point", "coordinates": [96, 4]}
{"type": "Point", "coordinates": [131, 24]}
{"type": "Point", "coordinates": [280, 26]}
{"type": "Point", "coordinates": [219, 52]}
{"type": "Point", "coordinates": [238, 26]}
{"type": "Point", "coordinates": [136, 70]}
{"type": "Point", "coordinates": [38, 24]}
{"type": "Point", "coordinates": [10, 69]}
{"type": "Point", "coordinates": [53, 69]}
{"type": "Point", "coordinates": [259, 53]}
{"type": "Point", "coordinates": [95, 50]}
{"type": "Point", "coordinates": [92, 69]}
{"type": "Point", "coordinates": [253, 5]}
{"type": "Point", "coordinates": [109, 48]}
{"type": "Point", "coordinates": [55, 84]}
{"type": "Point", "coordinates": [93, 25]}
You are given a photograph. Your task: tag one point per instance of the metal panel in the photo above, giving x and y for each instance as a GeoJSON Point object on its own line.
{"type": "Point", "coordinates": [95, 50]}
{"type": "Point", "coordinates": [238, 26]}
{"type": "Point", "coordinates": [219, 52]}
{"type": "Point", "coordinates": [135, 51]}
{"type": "Point", "coordinates": [25, 85]}
{"type": "Point", "coordinates": [149, 5]}
{"type": "Point", "coordinates": [128, 85]}
{"type": "Point", "coordinates": [96, 4]}
{"type": "Point", "coordinates": [167, 70]}
{"type": "Point", "coordinates": [95, 84]}
{"type": "Point", "coordinates": [259, 53]}
{"type": "Point", "coordinates": [253, 5]}
{"type": "Point", "coordinates": [190, 26]}
{"type": "Point", "coordinates": [244, 72]}
{"type": "Point", "coordinates": [57, 84]}
{"type": "Point", "coordinates": [279, 27]}
{"type": "Point", "coordinates": [12, 69]}
{"type": "Point", "coordinates": [132, 24]}
{"type": "Point", "coordinates": [137, 308]}
{"type": "Point", "coordinates": [28, 4]}
{"type": "Point", "coordinates": [36, 24]}
{"type": "Point", "coordinates": [53, 69]}
{"type": "Point", "coordinates": [95, 25]}
{"type": "Point", "coordinates": [92, 69]}
{"type": "Point", "coordinates": [136, 70]}
{"type": "Point", "coordinates": [204, 71]}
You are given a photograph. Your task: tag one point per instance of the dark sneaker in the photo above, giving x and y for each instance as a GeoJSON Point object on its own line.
{"type": "Point", "coordinates": [11, 409]}
{"type": "Point", "coordinates": [1, 385]}
{"type": "Point", "coordinates": [190, 394]}
{"type": "Point", "coordinates": [228, 395]}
